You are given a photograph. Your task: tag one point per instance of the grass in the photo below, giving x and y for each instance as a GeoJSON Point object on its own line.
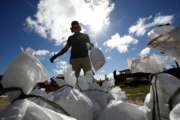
{"type": "Point", "coordinates": [3, 102]}
{"type": "Point", "coordinates": [137, 93]}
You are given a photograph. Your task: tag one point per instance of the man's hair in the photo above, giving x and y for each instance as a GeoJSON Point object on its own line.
{"type": "Point", "coordinates": [74, 23]}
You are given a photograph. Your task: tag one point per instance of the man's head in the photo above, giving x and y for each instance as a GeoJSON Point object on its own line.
{"type": "Point", "coordinates": [75, 27]}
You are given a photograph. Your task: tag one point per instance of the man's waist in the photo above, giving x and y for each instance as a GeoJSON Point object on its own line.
{"type": "Point", "coordinates": [78, 56]}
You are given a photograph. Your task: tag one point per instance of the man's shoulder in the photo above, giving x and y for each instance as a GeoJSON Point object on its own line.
{"type": "Point", "coordinates": [70, 37]}
{"type": "Point", "coordinates": [84, 34]}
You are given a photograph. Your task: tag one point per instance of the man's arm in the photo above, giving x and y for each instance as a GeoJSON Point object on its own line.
{"type": "Point", "coordinates": [61, 52]}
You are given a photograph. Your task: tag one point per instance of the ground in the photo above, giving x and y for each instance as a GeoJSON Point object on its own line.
{"type": "Point", "coordinates": [136, 93]}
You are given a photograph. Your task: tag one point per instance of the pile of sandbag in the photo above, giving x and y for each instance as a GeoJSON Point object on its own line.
{"type": "Point", "coordinates": [85, 101]}
{"type": "Point", "coordinates": [161, 100]}
{"type": "Point", "coordinates": [82, 100]}
{"type": "Point", "coordinates": [19, 79]}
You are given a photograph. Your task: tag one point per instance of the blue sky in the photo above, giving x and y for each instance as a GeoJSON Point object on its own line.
{"type": "Point", "coordinates": [16, 32]}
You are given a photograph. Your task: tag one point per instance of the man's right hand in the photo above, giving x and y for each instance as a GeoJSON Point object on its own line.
{"type": "Point", "coordinates": [52, 59]}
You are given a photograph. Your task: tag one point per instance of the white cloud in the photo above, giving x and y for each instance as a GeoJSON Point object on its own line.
{"type": "Point", "coordinates": [120, 43]}
{"type": "Point", "coordinates": [60, 67]}
{"type": "Point", "coordinates": [140, 28]}
{"type": "Point", "coordinates": [145, 52]}
{"type": "Point", "coordinates": [41, 52]}
{"type": "Point", "coordinates": [53, 17]}
{"type": "Point", "coordinates": [143, 24]}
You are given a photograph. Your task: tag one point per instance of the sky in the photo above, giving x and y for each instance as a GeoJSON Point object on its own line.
{"type": "Point", "coordinates": [119, 28]}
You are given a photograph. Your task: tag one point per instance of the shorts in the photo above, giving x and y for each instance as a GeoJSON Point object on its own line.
{"type": "Point", "coordinates": [80, 63]}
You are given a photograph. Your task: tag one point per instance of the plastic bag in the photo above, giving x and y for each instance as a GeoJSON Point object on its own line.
{"type": "Point", "coordinates": [27, 110]}
{"type": "Point", "coordinates": [99, 97]}
{"type": "Point", "coordinates": [107, 85]}
{"type": "Point", "coordinates": [42, 92]}
{"type": "Point", "coordinates": [87, 81]}
{"type": "Point", "coordinates": [168, 42]}
{"type": "Point", "coordinates": [157, 31]}
{"type": "Point", "coordinates": [75, 103]}
{"type": "Point", "coordinates": [175, 113]}
{"type": "Point", "coordinates": [166, 86]}
{"type": "Point", "coordinates": [118, 110]}
{"type": "Point", "coordinates": [118, 94]}
{"type": "Point", "coordinates": [69, 76]}
{"type": "Point", "coordinates": [149, 64]}
{"type": "Point", "coordinates": [97, 58]}
{"type": "Point", "coordinates": [24, 72]}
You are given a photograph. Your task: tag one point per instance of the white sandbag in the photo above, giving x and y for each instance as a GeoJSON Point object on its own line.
{"type": "Point", "coordinates": [41, 92]}
{"type": "Point", "coordinates": [160, 30]}
{"type": "Point", "coordinates": [147, 111]}
{"type": "Point", "coordinates": [87, 82]}
{"type": "Point", "coordinates": [147, 99]}
{"type": "Point", "coordinates": [24, 72]}
{"type": "Point", "coordinates": [166, 86]}
{"type": "Point", "coordinates": [27, 110]}
{"type": "Point", "coordinates": [97, 58]}
{"type": "Point", "coordinates": [60, 80]}
{"type": "Point", "coordinates": [108, 84]}
{"type": "Point", "coordinates": [175, 113]}
{"type": "Point", "coordinates": [118, 110]}
{"type": "Point", "coordinates": [99, 97]}
{"type": "Point", "coordinates": [75, 103]}
{"type": "Point", "coordinates": [167, 42]}
{"type": "Point", "coordinates": [118, 94]}
{"type": "Point", "coordinates": [148, 64]}
{"type": "Point", "coordinates": [69, 76]}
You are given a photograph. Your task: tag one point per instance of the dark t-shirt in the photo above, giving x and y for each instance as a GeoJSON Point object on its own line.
{"type": "Point", "coordinates": [78, 45]}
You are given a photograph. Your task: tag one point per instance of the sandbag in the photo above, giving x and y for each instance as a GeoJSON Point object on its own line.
{"type": "Point", "coordinates": [160, 30]}
{"type": "Point", "coordinates": [24, 72]}
{"type": "Point", "coordinates": [148, 64]}
{"type": "Point", "coordinates": [97, 58]}
{"type": "Point", "coordinates": [69, 76]}
{"type": "Point", "coordinates": [118, 94]}
{"type": "Point", "coordinates": [167, 41]}
{"type": "Point", "coordinates": [108, 84]}
{"type": "Point", "coordinates": [166, 85]}
{"type": "Point", "coordinates": [99, 97]}
{"type": "Point", "coordinates": [175, 113]}
{"type": "Point", "coordinates": [87, 82]}
{"type": "Point", "coordinates": [147, 99]}
{"type": "Point", "coordinates": [41, 92]}
{"type": "Point", "coordinates": [75, 103]}
{"type": "Point", "coordinates": [118, 110]}
{"type": "Point", "coordinates": [27, 110]}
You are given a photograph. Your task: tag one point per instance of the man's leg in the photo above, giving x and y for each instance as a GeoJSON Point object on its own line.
{"type": "Point", "coordinates": [76, 67]}
{"type": "Point", "coordinates": [86, 64]}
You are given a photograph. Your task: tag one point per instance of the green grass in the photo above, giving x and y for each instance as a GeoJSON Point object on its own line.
{"type": "Point", "coordinates": [136, 94]}
{"type": "Point", "coordinates": [3, 102]}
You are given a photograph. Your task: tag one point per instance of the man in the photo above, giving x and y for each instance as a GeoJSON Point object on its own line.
{"type": "Point", "coordinates": [79, 50]}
